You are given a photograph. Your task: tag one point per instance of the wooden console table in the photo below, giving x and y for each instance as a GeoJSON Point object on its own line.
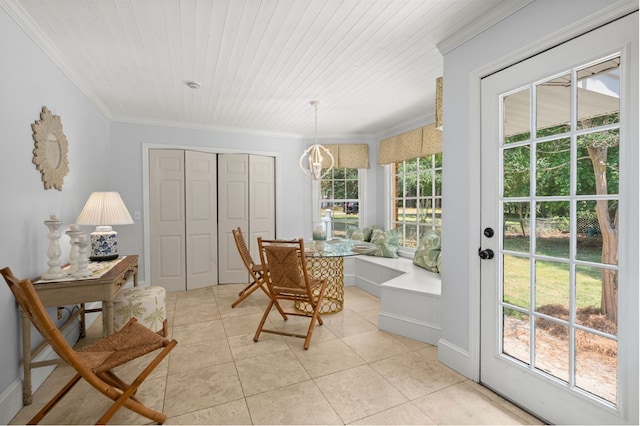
{"type": "Point", "coordinates": [75, 292]}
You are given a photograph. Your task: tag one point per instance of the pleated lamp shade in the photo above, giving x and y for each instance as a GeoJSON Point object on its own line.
{"type": "Point", "coordinates": [104, 209]}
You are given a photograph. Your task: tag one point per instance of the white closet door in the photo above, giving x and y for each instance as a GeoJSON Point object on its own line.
{"type": "Point", "coordinates": [233, 212]}
{"type": "Point", "coordinates": [166, 219]}
{"type": "Point", "coordinates": [201, 219]}
{"type": "Point", "coordinates": [262, 198]}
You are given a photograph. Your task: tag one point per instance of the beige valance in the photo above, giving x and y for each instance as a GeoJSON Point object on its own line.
{"type": "Point", "coordinates": [416, 143]}
{"type": "Point", "coordinates": [350, 156]}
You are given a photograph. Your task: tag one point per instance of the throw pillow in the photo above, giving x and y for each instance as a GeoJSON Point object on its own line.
{"type": "Point", "coordinates": [386, 242]}
{"type": "Point", "coordinates": [427, 254]}
{"type": "Point", "coordinates": [355, 233]}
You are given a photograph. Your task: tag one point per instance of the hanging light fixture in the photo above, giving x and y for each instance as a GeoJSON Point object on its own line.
{"type": "Point", "coordinates": [313, 158]}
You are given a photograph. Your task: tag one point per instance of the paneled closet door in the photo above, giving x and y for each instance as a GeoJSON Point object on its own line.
{"type": "Point", "coordinates": [183, 219]}
{"type": "Point", "coordinates": [246, 198]}
{"type": "Point", "coordinates": [233, 212]}
{"type": "Point", "coordinates": [262, 199]}
{"type": "Point", "coordinates": [167, 219]}
{"type": "Point", "coordinates": [201, 219]}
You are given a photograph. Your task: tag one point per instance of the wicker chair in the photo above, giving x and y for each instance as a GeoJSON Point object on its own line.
{"type": "Point", "coordinates": [254, 269]}
{"type": "Point", "coordinates": [95, 362]}
{"type": "Point", "coordinates": [287, 278]}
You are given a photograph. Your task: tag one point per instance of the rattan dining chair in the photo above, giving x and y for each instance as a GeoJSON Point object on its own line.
{"type": "Point", "coordinates": [254, 269]}
{"type": "Point", "coordinates": [95, 363]}
{"type": "Point", "coordinates": [286, 276]}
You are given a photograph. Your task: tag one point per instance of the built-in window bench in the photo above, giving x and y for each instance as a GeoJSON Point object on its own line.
{"type": "Point", "coordinates": [409, 295]}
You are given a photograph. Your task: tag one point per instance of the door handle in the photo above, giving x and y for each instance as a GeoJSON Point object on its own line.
{"type": "Point", "coordinates": [485, 254]}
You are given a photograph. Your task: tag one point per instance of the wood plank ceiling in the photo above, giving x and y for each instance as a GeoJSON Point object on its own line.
{"type": "Point", "coordinates": [372, 64]}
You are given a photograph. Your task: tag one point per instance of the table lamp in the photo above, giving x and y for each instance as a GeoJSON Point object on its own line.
{"type": "Point", "coordinates": [104, 209]}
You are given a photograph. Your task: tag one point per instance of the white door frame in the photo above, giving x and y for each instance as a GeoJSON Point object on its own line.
{"type": "Point", "coordinates": [146, 146]}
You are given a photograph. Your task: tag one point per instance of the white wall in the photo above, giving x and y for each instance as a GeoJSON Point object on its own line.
{"type": "Point", "coordinates": [539, 25]}
{"type": "Point", "coordinates": [29, 81]}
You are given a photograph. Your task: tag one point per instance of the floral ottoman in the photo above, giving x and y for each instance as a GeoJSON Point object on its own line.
{"type": "Point", "coordinates": [146, 304]}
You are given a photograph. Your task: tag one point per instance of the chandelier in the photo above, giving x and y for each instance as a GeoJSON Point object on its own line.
{"type": "Point", "coordinates": [313, 158]}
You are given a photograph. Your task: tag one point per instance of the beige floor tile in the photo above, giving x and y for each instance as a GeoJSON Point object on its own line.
{"type": "Point", "coordinates": [196, 332]}
{"type": "Point", "coordinates": [487, 393]}
{"type": "Point", "coordinates": [270, 371]}
{"type": "Point", "coordinates": [199, 293]}
{"type": "Point", "coordinates": [201, 312]}
{"type": "Point", "coordinates": [359, 392]}
{"type": "Point", "coordinates": [358, 301]}
{"type": "Point", "coordinates": [199, 355]}
{"type": "Point", "coordinates": [326, 357]}
{"type": "Point", "coordinates": [405, 414]}
{"type": "Point", "coordinates": [415, 375]}
{"type": "Point", "coordinates": [199, 389]}
{"type": "Point", "coordinates": [243, 346]}
{"type": "Point", "coordinates": [347, 323]}
{"type": "Point", "coordinates": [230, 413]}
{"type": "Point", "coordinates": [320, 334]}
{"type": "Point", "coordinates": [245, 308]}
{"type": "Point", "coordinates": [218, 375]}
{"type": "Point", "coordinates": [244, 324]}
{"type": "Point", "coordinates": [299, 404]}
{"type": "Point", "coordinates": [461, 404]}
{"type": "Point", "coordinates": [414, 344]}
{"type": "Point", "coordinates": [375, 345]}
{"type": "Point", "coordinates": [371, 316]}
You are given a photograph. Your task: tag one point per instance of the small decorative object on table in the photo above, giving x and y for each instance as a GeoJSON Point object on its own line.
{"type": "Point", "coordinates": [54, 251]}
{"type": "Point", "coordinates": [73, 232]}
{"type": "Point", "coordinates": [319, 231]}
{"type": "Point", "coordinates": [83, 257]}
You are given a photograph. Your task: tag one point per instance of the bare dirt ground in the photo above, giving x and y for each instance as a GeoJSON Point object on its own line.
{"type": "Point", "coordinates": [596, 356]}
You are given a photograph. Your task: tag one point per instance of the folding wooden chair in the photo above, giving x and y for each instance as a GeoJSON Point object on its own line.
{"type": "Point", "coordinates": [254, 269]}
{"type": "Point", "coordinates": [286, 276]}
{"type": "Point", "coordinates": [95, 362]}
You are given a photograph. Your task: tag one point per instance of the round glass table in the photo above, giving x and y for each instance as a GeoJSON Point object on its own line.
{"type": "Point", "coordinates": [325, 259]}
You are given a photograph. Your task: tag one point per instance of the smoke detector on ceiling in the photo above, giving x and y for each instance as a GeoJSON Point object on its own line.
{"type": "Point", "coordinates": [192, 84]}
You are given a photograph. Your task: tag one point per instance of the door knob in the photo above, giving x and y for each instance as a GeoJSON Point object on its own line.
{"type": "Point", "coordinates": [485, 254]}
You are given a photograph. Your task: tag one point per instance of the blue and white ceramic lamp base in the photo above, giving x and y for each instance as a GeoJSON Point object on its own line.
{"type": "Point", "coordinates": [104, 244]}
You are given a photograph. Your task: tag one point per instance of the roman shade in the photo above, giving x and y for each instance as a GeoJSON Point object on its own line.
{"type": "Point", "coordinates": [416, 143]}
{"type": "Point", "coordinates": [350, 156]}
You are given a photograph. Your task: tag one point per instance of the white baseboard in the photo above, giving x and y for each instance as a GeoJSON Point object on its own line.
{"type": "Point", "coordinates": [10, 402]}
{"type": "Point", "coordinates": [368, 286]}
{"type": "Point", "coordinates": [409, 327]}
{"type": "Point", "coordinates": [458, 359]}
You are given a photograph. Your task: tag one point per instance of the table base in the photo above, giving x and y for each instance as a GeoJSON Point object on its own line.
{"type": "Point", "coordinates": [331, 268]}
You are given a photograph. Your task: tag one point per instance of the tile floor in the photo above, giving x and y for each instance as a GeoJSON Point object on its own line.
{"type": "Point", "coordinates": [352, 373]}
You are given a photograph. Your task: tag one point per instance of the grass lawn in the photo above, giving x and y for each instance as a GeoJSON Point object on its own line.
{"type": "Point", "coordinates": [552, 278]}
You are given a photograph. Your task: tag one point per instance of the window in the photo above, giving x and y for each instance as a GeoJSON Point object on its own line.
{"type": "Point", "coordinates": [417, 198]}
{"type": "Point", "coordinates": [340, 196]}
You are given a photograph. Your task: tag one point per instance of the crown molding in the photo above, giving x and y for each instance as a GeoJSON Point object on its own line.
{"type": "Point", "coordinates": [484, 22]}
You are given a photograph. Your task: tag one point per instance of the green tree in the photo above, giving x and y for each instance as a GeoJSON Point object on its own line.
{"type": "Point", "coordinates": [597, 174]}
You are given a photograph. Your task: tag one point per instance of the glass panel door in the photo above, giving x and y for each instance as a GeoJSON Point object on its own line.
{"type": "Point", "coordinates": [552, 171]}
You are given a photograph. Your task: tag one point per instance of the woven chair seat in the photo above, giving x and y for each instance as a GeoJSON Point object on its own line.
{"type": "Point", "coordinates": [133, 341]}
